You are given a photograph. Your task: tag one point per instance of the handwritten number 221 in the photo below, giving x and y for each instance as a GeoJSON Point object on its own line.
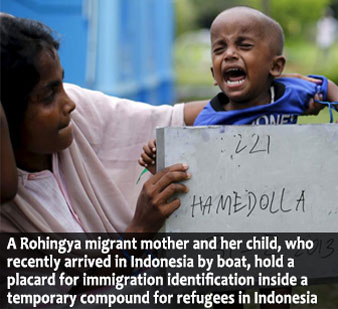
{"type": "Point", "coordinates": [257, 145]}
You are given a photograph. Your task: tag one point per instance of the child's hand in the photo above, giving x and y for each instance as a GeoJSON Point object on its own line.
{"type": "Point", "coordinates": [148, 156]}
{"type": "Point", "coordinates": [315, 107]}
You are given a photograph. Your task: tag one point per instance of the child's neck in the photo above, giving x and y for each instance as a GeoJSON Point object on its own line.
{"type": "Point", "coordinates": [264, 98]}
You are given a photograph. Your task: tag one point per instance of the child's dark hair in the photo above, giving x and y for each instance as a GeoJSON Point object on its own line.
{"type": "Point", "coordinates": [22, 41]}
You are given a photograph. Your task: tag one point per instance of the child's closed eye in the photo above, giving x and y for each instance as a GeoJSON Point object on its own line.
{"type": "Point", "coordinates": [245, 46]}
{"type": "Point", "coordinates": [218, 50]}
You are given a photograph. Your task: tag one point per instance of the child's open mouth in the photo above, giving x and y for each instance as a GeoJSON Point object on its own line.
{"type": "Point", "coordinates": [234, 76]}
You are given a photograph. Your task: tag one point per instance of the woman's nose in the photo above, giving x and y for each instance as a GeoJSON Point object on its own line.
{"type": "Point", "coordinates": [69, 105]}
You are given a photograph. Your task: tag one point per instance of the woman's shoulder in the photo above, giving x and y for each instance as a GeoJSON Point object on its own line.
{"type": "Point", "coordinates": [88, 100]}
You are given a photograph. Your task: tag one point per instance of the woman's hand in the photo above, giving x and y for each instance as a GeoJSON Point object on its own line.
{"type": "Point", "coordinates": [304, 77]}
{"type": "Point", "coordinates": [154, 204]}
{"type": "Point", "coordinates": [314, 107]}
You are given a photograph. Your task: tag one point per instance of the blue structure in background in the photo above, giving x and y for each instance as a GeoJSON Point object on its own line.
{"type": "Point", "coordinates": [121, 47]}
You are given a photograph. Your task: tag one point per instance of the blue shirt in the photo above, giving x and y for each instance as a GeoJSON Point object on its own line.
{"type": "Point", "coordinates": [292, 99]}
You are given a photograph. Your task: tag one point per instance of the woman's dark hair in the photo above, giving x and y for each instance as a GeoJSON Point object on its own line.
{"type": "Point", "coordinates": [22, 41]}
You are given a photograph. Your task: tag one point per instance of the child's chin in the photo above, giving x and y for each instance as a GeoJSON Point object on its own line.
{"type": "Point", "coordinates": [239, 98]}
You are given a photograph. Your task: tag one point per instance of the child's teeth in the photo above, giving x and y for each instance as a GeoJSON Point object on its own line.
{"type": "Point", "coordinates": [236, 82]}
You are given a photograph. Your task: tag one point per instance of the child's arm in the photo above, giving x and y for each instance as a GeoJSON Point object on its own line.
{"type": "Point", "coordinates": [148, 156]}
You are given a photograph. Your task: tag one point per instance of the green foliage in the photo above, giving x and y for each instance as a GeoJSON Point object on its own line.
{"type": "Point", "coordinates": [208, 10]}
{"type": "Point", "coordinates": [322, 117]}
{"type": "Point", "coordinates": [295, 17]}
{"type": "Point", "coordinates": [185, 16]}
{"type": "Point", "coordinates": [196, 14]}
{"type": "Point", "coordinates": [306, 58]}
{"type": "Point", "coordinates": [334, 6]}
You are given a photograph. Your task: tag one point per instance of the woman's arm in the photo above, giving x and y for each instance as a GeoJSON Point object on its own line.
{"type": "Point", "coordinates": [191, 110]}
{"type": "Point", "coordinates": [332, 91]}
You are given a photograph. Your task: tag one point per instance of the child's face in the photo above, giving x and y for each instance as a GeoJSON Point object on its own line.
{"type": "Point", "coordinates": [241, 58]}
{"type": "Point", "coordinates": [46, 125]}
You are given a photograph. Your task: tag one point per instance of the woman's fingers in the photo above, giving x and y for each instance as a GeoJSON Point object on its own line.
{"type": "Point", "coordinates": [168, 179]}
{"type": "Point", "coordinates": [154, 204]}
{"type": "Point", "coordinates": [170, 207]}
{"type": "Point", "coordinates": [168, 175]}
{"type": "Point", "coordinates": [172, 189]}
{"type": "Point", "coordinates": [304, 77]}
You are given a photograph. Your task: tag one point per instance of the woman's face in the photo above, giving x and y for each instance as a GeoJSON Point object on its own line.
{"type": "Point", "coordinates": [47, 124]}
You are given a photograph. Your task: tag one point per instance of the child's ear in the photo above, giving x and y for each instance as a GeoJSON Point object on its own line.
{"type": "Point", "coordinates": [212, 72]}
{"type": "Point", "coordinates": [278, 64]}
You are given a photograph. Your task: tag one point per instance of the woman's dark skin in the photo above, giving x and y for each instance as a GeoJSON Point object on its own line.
{"type": "Point", "coordinates": [9, 176]}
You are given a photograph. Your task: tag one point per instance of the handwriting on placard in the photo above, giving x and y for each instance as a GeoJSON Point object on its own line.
{"type": "Point", "coordinates": [250, 144]}
{"type": "Point", "coordinates": [246, 202]}
{"type": "Point", "coordinates": [255, 145]}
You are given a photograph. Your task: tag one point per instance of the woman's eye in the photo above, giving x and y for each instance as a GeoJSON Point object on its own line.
{"type": "Point", "coordinates": [49, 97]}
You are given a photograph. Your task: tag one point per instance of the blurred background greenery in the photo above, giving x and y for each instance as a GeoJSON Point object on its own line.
{"type": "Point", "coordinates": [298, 19]}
